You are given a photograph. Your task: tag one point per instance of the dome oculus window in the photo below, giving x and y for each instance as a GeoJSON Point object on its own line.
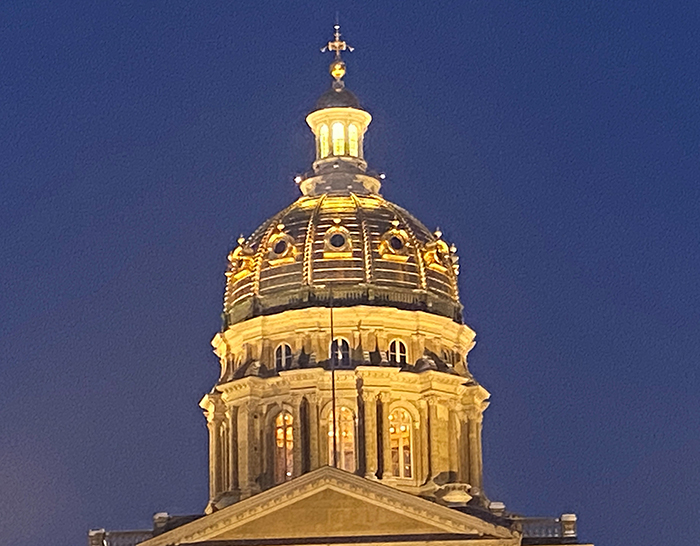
{"type": "Point", "coordinates": [337, 243]}
{"type": "Point", "coordinates": [337, 240]}
{"type": "Point", "coordinates": [396, 242]}
{"type": "Point", "coordinates": [394, 245]}
{"type": "Point", "coordinates": [281, 249]}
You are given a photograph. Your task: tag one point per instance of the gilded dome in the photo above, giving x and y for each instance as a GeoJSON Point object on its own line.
{"type": "Point", "coordinates": [341, 243]}
{"type": "Point", "coordinates": [351, 247]}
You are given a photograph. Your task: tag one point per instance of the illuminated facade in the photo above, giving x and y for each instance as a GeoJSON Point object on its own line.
{"type": "Point", "coordinates": [345, 410]}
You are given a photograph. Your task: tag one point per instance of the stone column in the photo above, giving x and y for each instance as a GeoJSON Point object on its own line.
{"type": "Point", "coordinates": [246, 446]}
{"type": "Point", "coordinates": [213, 423]}
{"type": "Point", "coordinates": [480, 463]}
{"type": "Point", "coordinates": [232, 417]}
{"type": "Point", "coordinates": [454, 442]}
{"type": "Point", "coordinates": [370, 420]}
{"type": "Point", "coordinates": [463, 448]}
{"type": "Point", "coordinates": [314, 457]}
{"type": "Point", "coordinates": [388, 471]}
{"type": "Point", "coordinates": [474, 448]}
{"type": "Point", "coordinates": [434, 439]}
{"type": "Point", "coordinates": [224, 450]}
{"type": "Point", "coordinates": [215, 415]}
{"type": "Point", "coordinates": [424, 443]}
{"type": "Point", "coordinates": [296, 435]}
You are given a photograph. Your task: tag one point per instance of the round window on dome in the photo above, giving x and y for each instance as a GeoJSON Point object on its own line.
{"type": "Point", "coordinates": [280, 247]}
{"type": "Point", "coordinates": [337, 240]}
{"type": "Point", "coordinates": [396, 242]}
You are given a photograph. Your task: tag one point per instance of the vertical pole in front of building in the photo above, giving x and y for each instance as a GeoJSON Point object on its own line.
{"type": "Point", "coordinates": [334, 351]}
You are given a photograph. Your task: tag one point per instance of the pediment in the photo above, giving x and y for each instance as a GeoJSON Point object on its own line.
{"type": "Point", "coordinates": [328, 503]}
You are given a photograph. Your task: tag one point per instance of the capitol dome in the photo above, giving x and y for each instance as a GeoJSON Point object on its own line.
{"type": "Point", "coordinates": [341, 243]}
{"type": "Point", "coordinates": [343, 342]}
{"type": "Point", "coordinates": [352, 246]}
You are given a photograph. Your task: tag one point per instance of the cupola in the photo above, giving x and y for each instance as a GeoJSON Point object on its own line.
{"type": "Point", "coordinates": [339, 124]}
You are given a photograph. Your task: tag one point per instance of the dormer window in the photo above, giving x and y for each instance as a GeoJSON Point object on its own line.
{"type": "Point", "coordinates": [340, 353]}
{"type": "Point", "coordinates": [323, 147]}
{"type": "Point", "coordinates": [283, 357]}
{"type": "Point", "coordinates": [353, 143]}
{"type": "Point", "coordinates": [338, 135]}
{"type": "Point", "coordinates": [397, 352]}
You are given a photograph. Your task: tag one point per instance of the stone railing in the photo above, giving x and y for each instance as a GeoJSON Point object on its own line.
{"type": "Point", "coordinates": [562, 527]}
{"type": "Point", "coordinates": [100, 537]}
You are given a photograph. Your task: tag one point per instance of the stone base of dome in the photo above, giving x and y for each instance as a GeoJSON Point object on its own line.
{"type": "Point", "coordinates": [342, 296]}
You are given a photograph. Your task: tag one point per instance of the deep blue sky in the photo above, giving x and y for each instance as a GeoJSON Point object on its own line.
{"type": "Point", "coordinates": [556, 143]}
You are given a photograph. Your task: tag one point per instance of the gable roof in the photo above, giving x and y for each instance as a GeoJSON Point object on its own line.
{"type": "Point", "coordinates": [330, 505]}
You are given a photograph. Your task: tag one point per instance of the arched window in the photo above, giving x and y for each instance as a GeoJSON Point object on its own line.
{"type": "Point", "coordinates": [397, 351]}
{"type": "Point", "coordinates": [283, 357]}
{"type": "Point", "coordinates": [284, 447]}
{"type": "Point", "coordinates": [340, 350]}
{"type": "Point", "coordinates": [400, 435]}
{"type": "Point", "coordinates": [345, 434]}
{"type": "Point", "coordinates": [323, 148]}
{"type": "Point", "coordinates": [338, 134]}
{"type": "Point", "coordinates": [353, 148]}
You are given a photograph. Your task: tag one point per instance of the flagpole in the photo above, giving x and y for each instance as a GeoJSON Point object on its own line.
{"type": "Point", "coordinates": [334, 356]}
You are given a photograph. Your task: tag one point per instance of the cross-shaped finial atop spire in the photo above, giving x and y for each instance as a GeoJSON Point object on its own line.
{"type": "Point", "coordinates": [337, 44]}
{"type": "Point", "coordinates": [337, 67]}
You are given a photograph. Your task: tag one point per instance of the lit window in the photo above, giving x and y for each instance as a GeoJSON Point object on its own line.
{"type": "Point", "coordinates": [338, 139]}
{"type": "Point", "coordinates": [340, 352]}
{"type": "Point", "coordinates": [283, 357]}
{"type": "Point", "coordinates": [400, 424]}
{"type": "Point", "coordinates": [397, 352]}
{"type": "Point", "coordinates": [344, 431]}
{"type": "Point", "coordinates": [353, 148]}
{"type": "Point", "coordinates": [323, 147]}
{"type": "Point", "coordinates": [284, 447]}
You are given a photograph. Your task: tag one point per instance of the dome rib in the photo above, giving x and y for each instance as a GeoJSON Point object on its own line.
{"type": "Point", "coordinates": [366, 250]}
{"type": "Point", "coordinates": [308, 270]}
{"type": "Point", "coordinates": [414, 242]}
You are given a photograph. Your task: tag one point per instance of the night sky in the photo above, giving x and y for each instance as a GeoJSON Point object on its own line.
{"type": "Point", "coordinates": [555, 143]}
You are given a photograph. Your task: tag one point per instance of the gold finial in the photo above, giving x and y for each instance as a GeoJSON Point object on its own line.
{"type": "Point", "coordinates": [337, 68]}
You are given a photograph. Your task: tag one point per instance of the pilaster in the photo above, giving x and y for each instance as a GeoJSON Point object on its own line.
{"type": "Point", "coordinates": [370, 422]}
{"type": "Point", "coordinates": [387, 467]}
{"type": "Point", "coordinates": [313, 432]}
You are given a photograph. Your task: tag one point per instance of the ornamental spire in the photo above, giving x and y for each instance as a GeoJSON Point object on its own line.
{"type": "Point", "coordinates": [337, 67]}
